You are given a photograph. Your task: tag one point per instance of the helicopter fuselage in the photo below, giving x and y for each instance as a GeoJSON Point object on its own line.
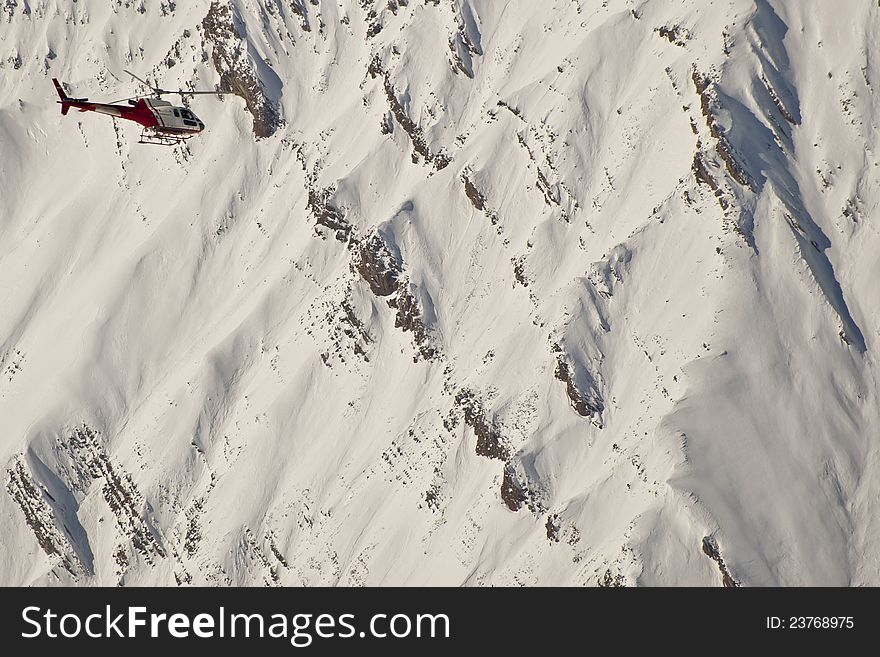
{"type": "Point", "coordinates": [154, 114]}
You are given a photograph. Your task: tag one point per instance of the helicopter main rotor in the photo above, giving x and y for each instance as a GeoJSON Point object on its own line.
{"type": "Point", "coordinates": [182, 92]}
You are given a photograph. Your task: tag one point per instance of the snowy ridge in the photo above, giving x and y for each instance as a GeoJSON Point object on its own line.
{"type": "Point", "coordinates": [452, 292]}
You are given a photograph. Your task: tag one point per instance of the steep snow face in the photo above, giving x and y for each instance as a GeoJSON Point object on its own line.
{"type": "Point", "coordinates": [452, 292]}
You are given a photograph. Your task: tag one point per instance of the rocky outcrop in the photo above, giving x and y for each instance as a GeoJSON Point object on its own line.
{"type": "Point", "coordinates": [521, 487]}
{"type": "Point", "coordinates": [490, 442]}
{"type": "Point", "coordinates": [82, 464]}
{"type": "Point", "coordinates": [346, 332]}
{"type": "Point", "coordinates": [464, 43]}
{"type": "Point", "coordinates": [711, 550]}
{"type": "Point", "coordinates": [92, 463]}
{"type": "Point", "coordinates": [298, 7]}
{"type": "Point", "coordinates": [473, 194]}
{"type": "Point", "coordinates": [410, 318]}
{"type": "Point", "coordinates": [378, 265]}
{"type": "Point", "coordinates": [477, 198]}
{"type": "Point", "coordinates": [518, 487]}
{"type": "Point", "coordinates": [703, 85]}
{"type": "Point", "coordinates": [320, 205]}
{"type": "Point", "coordinates": [439, 159]}
{"type": "Point", "coordinates": [553, 528]}
{"type": "Point", "coordinates": [783, 110]}
{"type": "Point", "coordinates": [519, 271]}
{"type": "Point", "coordinates": [585, 400]}
{"type": "Point", "coordinates": [39, 517]}
{"type": "Point", "coordinates": [230, 59]}
{"type": "Point", "coordinates": [611, 580]}
{"type": "Point", "coordinates": [373, 19]}
{"type": "Point", "coordinates": [675, 34]}
{"type": "Point", "coordinates": [704, 177]}
{"type": "Point", "coordinates": [193, 534]}
{"type": "Point", "coordinates": [514, 494]}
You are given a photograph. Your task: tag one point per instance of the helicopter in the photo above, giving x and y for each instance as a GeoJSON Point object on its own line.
{"type": "Point", "coordinates": [163, 124]}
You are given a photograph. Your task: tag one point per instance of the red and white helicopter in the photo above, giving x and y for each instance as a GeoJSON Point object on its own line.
{"type": "Point", "coordinates": [163, 124]}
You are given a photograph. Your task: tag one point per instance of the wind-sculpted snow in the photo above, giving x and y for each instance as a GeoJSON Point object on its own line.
{"type": "Point", "coordinates": [477, 292]}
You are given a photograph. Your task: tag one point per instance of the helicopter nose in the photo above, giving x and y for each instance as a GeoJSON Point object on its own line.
{"type": "Point", "coordinates": [201, 126]}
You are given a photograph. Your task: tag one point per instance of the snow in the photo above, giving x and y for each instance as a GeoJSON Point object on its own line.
{"type": "Point", "coordinates": [257, 414]}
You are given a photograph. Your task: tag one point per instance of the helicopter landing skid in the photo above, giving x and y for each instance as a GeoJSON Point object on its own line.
{"type": "Point", "coordinates": [161, 139]}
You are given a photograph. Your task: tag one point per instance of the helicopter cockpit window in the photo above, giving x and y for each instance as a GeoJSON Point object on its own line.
{"type": "Point", "coordinates": [186, 114]}
{"type": "Point", "coordinates": [176, 113]}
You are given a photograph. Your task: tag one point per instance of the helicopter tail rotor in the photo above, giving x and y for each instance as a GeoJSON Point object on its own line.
{"type": "Point", "coordinates": [65, 106]}
{"type": "Point", "coordinates": [66, 101]}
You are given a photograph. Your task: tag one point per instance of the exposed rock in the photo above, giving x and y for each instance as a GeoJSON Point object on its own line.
{"type": "Point", "coordinates": [722, 146]}
{"type": "Point", "coordinates": [299, 8]}
{"type": "Point", "coordinates": [512, 492]}
{"type": "Point", "coordinates": [586, 403]}
{"type": "Point", "coordinates": [432, 497]}
{"type": "Point", "coordinates": [457, 61]}
{"type": "Point", "coordinates": [776, 101]}
{"type": "Point", "coordinates": [519, 271]}
{"type": "Point", "coordinates": [477, 199]}
{"type": "Point", "coordinates": [395, 5]}
{"type": "Point", "coordinates": [420, 146]}
{"type": "Point", "coordinates": [378, 266]}
{"type": "Point", "coordinates": [326, 213]}
{"type": "Point", "coordinates": [611, 581]}
{"type": "Point", "coordinates": [410, 318]}
{"type": "Point", "coordinates": [193, 529]}
{"type": "Point", "coordinates": [711, 550]}
{"type": "Point", "coordinates": [462, 48]}
{"type": "Point", "coordinates": [490, 442]}
{"type": "Point", "coordinates": [551, 191]}
{"type": "Point", "coordinates": [372, 18]}
{"type": "Point", "coordinates": [513, 110]}
{"type": "Point", "coordinates": [701, 173]}
{"type": "Point", "coordinates": [345, 331]}
{"type": "Point", "coordinates": [82, 462]}
{"type": "Point", "coordinates": [473, 194]}
{"type": "Point", "coordinates": [273, 548]}
{"type": "Point", "coordinates": [118, 489]}
{"type": "Point", "coordinates": [230, 58]}
{"type": "Point", "coordinates": [676, 34]}
{"type": "Point", "coordinates": [255, 553]}
{"type": "Point", "coordinates": [39, 517]}
{"type": "Point", "coordinates": [120, 557]}
{"type": "Point", "coordinates": [544, 185]}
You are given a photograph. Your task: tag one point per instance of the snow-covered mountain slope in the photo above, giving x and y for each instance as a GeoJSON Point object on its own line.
{"type": "Point", "coordinates": [453, 292]}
